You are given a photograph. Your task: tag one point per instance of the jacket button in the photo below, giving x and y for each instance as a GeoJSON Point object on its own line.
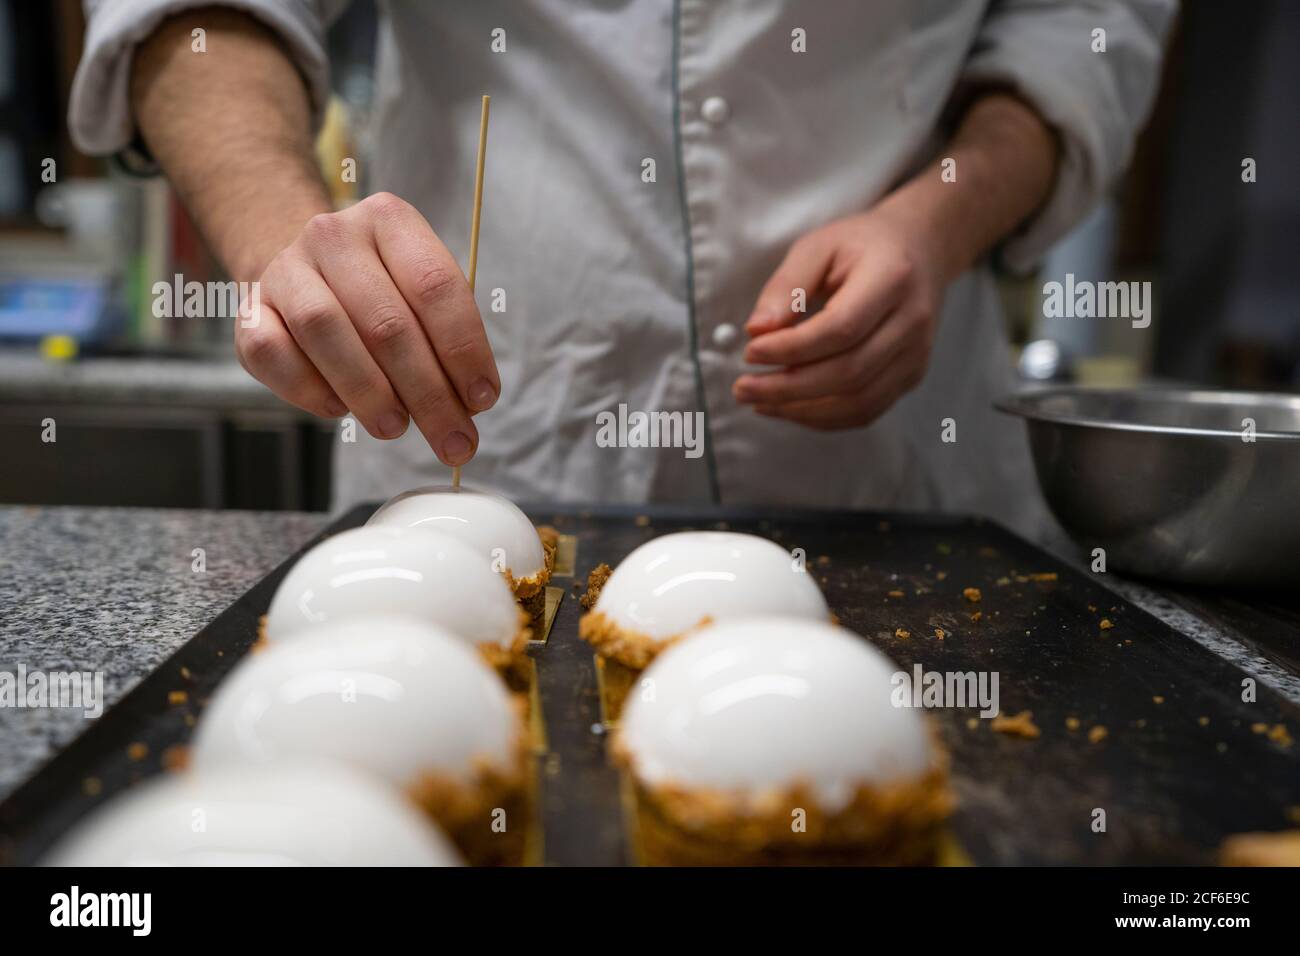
{"type": "Point", "coordinates": [715, 110]}
{"type": "Point", "coordinates": [725, 335]}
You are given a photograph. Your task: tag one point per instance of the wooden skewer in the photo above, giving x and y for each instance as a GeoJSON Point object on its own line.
{"type": "Point", "coordinates": [478, 212]}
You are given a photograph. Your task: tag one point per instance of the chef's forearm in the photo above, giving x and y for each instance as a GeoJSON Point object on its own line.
{"type": "Point", "coordinates": [995, 173]}
{"type": "Point", "coordinates": [231, 127]}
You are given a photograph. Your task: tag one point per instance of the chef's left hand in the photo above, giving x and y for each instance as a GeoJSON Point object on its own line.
{"type": "Point", "coordinates": [881, 279]}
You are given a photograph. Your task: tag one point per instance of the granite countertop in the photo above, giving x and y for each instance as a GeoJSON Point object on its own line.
{"type": "Point", "coordinates": [204, 382]}
{"type": "Point", "coordinates": [113, 590]}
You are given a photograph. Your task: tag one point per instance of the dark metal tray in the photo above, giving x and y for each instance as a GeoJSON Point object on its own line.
{"type": "Point", "coordinates": [1184, 762]}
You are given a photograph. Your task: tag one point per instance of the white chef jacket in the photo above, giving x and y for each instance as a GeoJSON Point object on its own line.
{"type": "Point", "coordinates": [622, 291]}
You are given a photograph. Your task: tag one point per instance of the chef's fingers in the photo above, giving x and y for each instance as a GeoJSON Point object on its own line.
{"type": "Point", "coordinates": [396, 339]}
{"type": "Point", "coordinates": [269, 354]}
{"type": "Point", "coordinates": [838, 412]}
{"type": "Point", "coordinates": [802, 271]}
{"type": "Point", "coordinates": [840, 374]}
{"type": "Point", "coordinates": [429, 278]}
{"type": "Point", "coordinates": [324, 332]}
{"type": "Point", "coordinates": [871, 291]}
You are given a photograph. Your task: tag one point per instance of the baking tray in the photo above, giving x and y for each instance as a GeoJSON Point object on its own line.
{"type": "Point", "coordinates": [1184, 762]}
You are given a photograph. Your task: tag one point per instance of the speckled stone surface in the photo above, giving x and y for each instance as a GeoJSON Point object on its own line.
{"type": "Point", "coordinates": [113, 590]}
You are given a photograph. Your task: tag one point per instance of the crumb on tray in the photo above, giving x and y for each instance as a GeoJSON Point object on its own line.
{"type": "Point", "coordinates": [1281, 848]}
{"type": "Point", "coordinates": [1020, 725]}
{"type": "Point", "coordinates": [176, 757]}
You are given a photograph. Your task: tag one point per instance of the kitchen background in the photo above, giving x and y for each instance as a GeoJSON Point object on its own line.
{"type": "Point", "coordinates": [161, 413]}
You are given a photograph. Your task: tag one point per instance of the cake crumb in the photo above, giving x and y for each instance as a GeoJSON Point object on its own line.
{"type": "Point", "coordinates": [895, 594]}
{"type": "Point", "coordinates": [1072, 723]}
{"type": "Point", "coordinates": [1203, 721]}
{"type": "Point", "coordinates": [137, 751]}
{"type": "Point", "coordinates": [177, 697]}
{"type": "Point", "coordinates": [1097, 734]}
{"type": "Point", "coordinates": [1021, 725]}
{"type": "Point", "coordinates": [1106, 625]}
{"type": "Point", "coordinates": [1157, 699]}
{"type": "Point", "coordinates": [977, 616]}
{"type": "Point", "coordinates": [1280, 736]}
{"type": "Point", "coordinates": [940, 633]}
{"type": "Point", "coordinates": [1281, 848]}
{"type": "Point", "coordinates": [823, 560]}
{"type": "Point", "coordinates": [642, 521]}
{"type": "Point", "coordinates": [972, 723]}
{"type": "Point", "coordinates": [941, 576]}
{"type": "Point", "coordinates": [972, 594]}
{"type": "Point", "coordinates": [1259, 727]}
{"type": "Point", "coordinates": [185, 673]}
{"type": "Point", "coordinates": [900, 633]}
{"type": "Point", "coordinates": [1003, 581]}
{"type": "Point", "coordinates": [176, 757]}
{"type": "Point", "coordinates": [595, 581]}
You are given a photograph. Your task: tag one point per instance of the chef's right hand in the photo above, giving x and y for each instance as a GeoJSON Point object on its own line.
{"type": "Point", "coordinates": [366, 311]}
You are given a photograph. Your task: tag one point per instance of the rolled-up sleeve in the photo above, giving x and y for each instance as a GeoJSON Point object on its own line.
{"type": "Point", "coordinates": [1096, 101]}
{"type": "Point", "coordinates": [99, 110]}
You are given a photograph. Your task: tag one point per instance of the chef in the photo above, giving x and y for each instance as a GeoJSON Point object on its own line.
{"type": "Point", "coordinates": [771, 218]}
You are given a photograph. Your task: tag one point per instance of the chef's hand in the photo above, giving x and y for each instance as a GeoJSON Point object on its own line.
{"type": "Point", "coordinates": [882, 273]}
{"type": "Point", "coordinates": [367, 311]}
{"type": "Point", "coordinates": [844, 365]}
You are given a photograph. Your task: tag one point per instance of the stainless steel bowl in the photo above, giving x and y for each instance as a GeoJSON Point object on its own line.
{"type": "Point", "coordinates": [1163, 479]}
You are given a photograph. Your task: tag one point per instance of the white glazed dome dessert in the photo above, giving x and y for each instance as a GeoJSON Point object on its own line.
{"type": "Point", "coordinates": [754, 721]}
{"type": "Point", "coordinates": [407, 572]}
{"type": "Point", "coordinates": [405, 701]}
{"type": "Point", "coordinates": [675, 583]}
{"type": "Point", "coordinates": [303, 815]}
{"type": "Point", "coordinates": [490, 524]}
